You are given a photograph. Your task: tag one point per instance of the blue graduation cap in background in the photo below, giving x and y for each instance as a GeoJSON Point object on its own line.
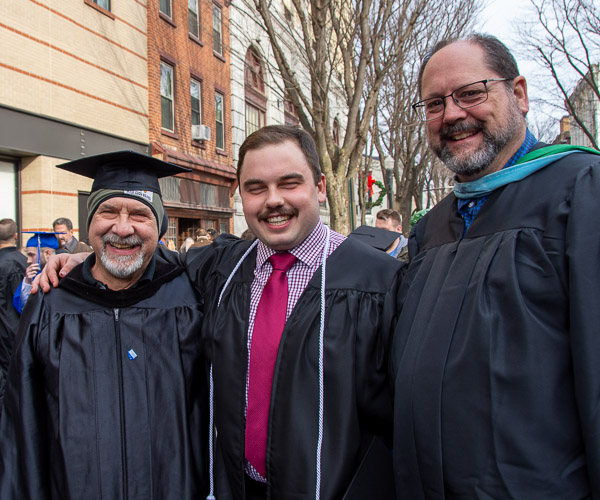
{"type": "Point", "coordinates": [42, 239]}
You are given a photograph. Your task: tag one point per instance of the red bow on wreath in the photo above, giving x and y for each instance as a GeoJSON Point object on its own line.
{"type": "Point", "coordinates": [370, 182]}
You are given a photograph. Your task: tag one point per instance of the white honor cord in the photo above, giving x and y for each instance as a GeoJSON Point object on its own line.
{"type": "Point", "coordinates": [211, 495]}
{"type": "Point", "coordinates": [321, 366]}
{"type": "Point", "coordinates": [237, 266]}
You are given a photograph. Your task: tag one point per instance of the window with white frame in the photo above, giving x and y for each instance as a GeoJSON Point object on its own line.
{"type": "Point", "coordinates": [194, 18]}
{"type": "Point", "coordinates": [220, 122]}
{"type": "Point", "coordinates": [165, 8]}
{"type": "Point", "coordinates": [217, 30]}
{"type": "Point", "coordinates": [196, 97]}
{"type": "Point", "coordinates": [166, 96]}
{"type": "Point", "coordinates": [254, 82]}
{"type": "Point", "coordinates": [255, 118]}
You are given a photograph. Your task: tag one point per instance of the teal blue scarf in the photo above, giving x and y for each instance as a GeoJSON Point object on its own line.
{"type": "Point", "coordinates": [527, 165]}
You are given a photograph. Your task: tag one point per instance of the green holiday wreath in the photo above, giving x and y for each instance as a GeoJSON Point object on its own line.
{"type": "Point", "coordinates": [382, 193]}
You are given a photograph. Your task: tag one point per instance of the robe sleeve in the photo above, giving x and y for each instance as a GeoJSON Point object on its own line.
{"type": "Point", "coordinates": [24, 471]}
{"type": "Point", "coordinates": [583, 254]}
{"type": "Point", "coordinates": [170, 256]}
{"type": "Point", "coordinates": [199, 262]}
{"type": "Point", "coordinates": [374, 391]}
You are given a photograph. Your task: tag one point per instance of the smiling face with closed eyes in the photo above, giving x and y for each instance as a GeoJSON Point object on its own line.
{"type": "Point", "coordinates": [279, 194]}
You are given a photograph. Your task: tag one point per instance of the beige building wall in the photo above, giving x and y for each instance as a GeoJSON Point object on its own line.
{"type": "Point", "coordinates": [49, 193]}
{"type": "Point", "coordinates": [67, 60]}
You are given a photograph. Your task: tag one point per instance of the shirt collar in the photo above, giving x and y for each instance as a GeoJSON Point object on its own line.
{"type": "Point", "coordinates": [308, 252]}
{"type": "Point", "coordinates": [527, 145]}
{"type": "Point", "coordinates": [71, 245]}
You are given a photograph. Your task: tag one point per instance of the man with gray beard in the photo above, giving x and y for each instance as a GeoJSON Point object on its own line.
{"type": "Point", "coordinates": [495, 357]}
{"type": "Point", "coordinates": [106, 391]}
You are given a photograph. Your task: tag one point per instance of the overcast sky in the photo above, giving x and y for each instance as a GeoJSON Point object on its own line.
{"type": "Point", "coordinates": [501, 18]}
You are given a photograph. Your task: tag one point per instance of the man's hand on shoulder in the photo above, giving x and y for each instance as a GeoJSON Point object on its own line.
{"type": "Point", "coordinates": [49, 276]}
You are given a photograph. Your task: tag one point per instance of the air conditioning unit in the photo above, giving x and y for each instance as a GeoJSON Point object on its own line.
{"type": "Point", "coordinates": [200, 132]}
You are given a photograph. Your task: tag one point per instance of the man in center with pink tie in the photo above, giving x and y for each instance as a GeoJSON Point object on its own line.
{"type": "Point", "coordinates": [301, 404]}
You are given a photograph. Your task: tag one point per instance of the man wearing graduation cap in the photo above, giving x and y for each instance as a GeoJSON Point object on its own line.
{"type": "Point", "coordinates": [37, 249]}
{"type": "Point", "coordinates": [106, 391]}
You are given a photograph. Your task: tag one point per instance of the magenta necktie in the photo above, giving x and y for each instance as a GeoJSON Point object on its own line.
{"type": "Point", "coordinates": [266, 335]}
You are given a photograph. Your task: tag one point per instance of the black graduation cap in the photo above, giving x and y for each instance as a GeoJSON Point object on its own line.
{"type": "Point", "coordinates": [375, 237]}
{"type": "Point", "coordinates": [126, 170]}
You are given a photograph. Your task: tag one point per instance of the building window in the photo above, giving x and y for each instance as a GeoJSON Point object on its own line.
{"type": "Point", "coordinates": [220, 124]}
{"type": "Point", "coordinates": [196, 96]}
{"type": "Point", "coordinates": [8, 189]}
{"type": "Point", "coordinates": [105, 4]}
{"type": "Point", "coordinates": [256, 102]}
{"type": "Point", "coordinates": [189, 193]}
{"type": "Point", "coordinates": [290, 112]}
{"type": "Point", "coordinates": [193, 18]}
{"type": "Point", "coordinates": [255, 118]}
{"type": "Point", "coordinates": [217, 31]}
{"type": "Point", "coordinates": [165, 8]}
{"type": "Point", "coordinates": [253, 71]}
{"type": "Point", "coordinates": [166, 96]}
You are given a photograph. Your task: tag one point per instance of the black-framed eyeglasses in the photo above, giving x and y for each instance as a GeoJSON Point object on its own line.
{"type": "Point", "coordinates": [465, 97]}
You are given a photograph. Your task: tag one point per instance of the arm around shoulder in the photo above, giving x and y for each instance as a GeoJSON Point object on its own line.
{"type": "Point", "coordinates": [57, 265]}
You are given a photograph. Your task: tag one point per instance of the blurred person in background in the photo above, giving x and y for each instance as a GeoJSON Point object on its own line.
{"type": "Point", "coordinates": [68, 243]}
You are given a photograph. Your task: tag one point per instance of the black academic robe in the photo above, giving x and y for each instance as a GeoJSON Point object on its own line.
{"type": "Point", "coordinates": [12, 270]}
{"type": "Point", "coordinates": [106, 394]}
{"type": "Point", "coordinates": [496, 357]}
{"type": "Point", "coordinates": [360, 308]}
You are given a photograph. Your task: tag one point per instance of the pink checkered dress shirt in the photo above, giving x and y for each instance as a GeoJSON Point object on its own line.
{"type": "Point", "coordinates": [309, 254]}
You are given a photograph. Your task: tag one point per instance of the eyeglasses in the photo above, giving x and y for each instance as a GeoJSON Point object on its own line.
{"type": "Point", "coordinates": [465, 97]}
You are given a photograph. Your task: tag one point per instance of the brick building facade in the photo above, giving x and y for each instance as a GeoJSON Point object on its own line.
{"type": "Point", "coordinates": [189, 88]}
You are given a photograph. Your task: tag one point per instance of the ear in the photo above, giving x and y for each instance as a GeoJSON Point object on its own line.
{"type": "Point", "coordinates": [321, 189]}
{"type": "Point", "coordinates": [520, 93]}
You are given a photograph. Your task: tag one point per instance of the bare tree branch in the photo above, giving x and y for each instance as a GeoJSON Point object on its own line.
{"type": "Point", "coordinates": [567, 40]}
{"type": "Point", "coordinates": [347, 50]}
